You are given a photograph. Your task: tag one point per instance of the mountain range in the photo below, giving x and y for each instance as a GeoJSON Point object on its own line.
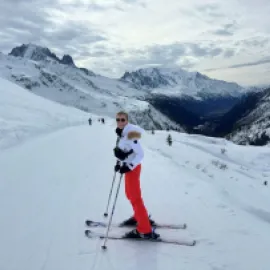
{"type": "Point", "coordinates": [156, 98]}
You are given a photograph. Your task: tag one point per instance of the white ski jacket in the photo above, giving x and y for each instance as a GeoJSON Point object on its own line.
{"type": "Point", "coordinates": [130, 140]}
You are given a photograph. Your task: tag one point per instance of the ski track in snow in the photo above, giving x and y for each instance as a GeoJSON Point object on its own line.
{"type": "Point", "coordinates": [49, 186]}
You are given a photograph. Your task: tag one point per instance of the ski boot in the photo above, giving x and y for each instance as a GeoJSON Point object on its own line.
{"type": "Point", "coordinates": [134, 234]}
{"type": "Point", "coordinates": [131, 222]}
{"type": "Point", "coordinates": [152, 222]}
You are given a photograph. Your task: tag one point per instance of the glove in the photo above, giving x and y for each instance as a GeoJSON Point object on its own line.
{"type": "Point", "coordinates": [120, 154]}
{"type": "Point", "coordinates": [118, 131]}
{"type": "Point", "coordinates": [117, 167]}
{"type": "Point", "coordinates": [124, 169]}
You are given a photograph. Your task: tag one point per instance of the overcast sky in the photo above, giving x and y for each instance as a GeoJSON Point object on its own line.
{"type": "Point", "coordinates": [227, 40]}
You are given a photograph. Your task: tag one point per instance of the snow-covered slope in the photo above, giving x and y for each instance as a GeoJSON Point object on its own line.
{"type": "Point", "coordinates": [254, 128]}
{"type": "Point", "coordinates": [23, 115]}
{"type": "Point", "coordinates": [41, 72]}
{"type": "Point", "coordinates": [50, 185]}
{"type": "Point", "coordinates": [179, 82]}
{"type": "Point", "coordinates": [249, 121]}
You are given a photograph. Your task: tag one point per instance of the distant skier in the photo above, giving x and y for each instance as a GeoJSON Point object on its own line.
{"type": "Point", "coordinates": [103, 120]}
{"type": "Point", "coordinates": [129, 153]}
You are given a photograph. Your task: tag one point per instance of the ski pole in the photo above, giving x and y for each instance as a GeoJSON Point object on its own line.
{"type": "Point", "coordinates": [110, 221]}
{"type": "Point", "coordinates": [106, 212]}
{"type": "Point", "coordinates": [110, 195]}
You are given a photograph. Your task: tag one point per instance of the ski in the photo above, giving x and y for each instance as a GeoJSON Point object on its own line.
{"type": "Point", "coordinates": [91, 223]}
{"type": "Point", "coordinates": [90, 234]}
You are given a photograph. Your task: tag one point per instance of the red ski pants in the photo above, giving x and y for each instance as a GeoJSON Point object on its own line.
{"type": "Point", "coordinates": [133, 193]}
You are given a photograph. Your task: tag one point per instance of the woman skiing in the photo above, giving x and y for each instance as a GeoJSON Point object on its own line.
{"type": "Point", "coordinates": [129, 153]}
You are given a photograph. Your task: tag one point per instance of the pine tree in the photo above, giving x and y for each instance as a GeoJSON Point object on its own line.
{"type": "Point", "coordinates": [169, 140]}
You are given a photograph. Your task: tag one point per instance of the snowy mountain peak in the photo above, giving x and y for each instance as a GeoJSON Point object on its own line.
{"type": "Point", "coordinates": [146, 78]}
{"type": "Point", "coordinates": [38, 53]}
{"type": "Point", "coordinates": [67, 60]}
{"type": "Point", "coordinates": [158, 76]}
{"type": "Point", "coordinates": [177, 81]}
{"type": "Point", "coordinates": [33, 52]}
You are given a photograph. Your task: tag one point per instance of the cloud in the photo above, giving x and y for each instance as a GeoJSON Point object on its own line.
{"type": "Point", "coordinates": [100, 50]}
{"type": "Point", "coordinates": [256, 63]}
{"type": "Point", "coordinates": [206, 12]}
{"type": "Point", "coordinates": [226, 30]}
{"type": "Point", "coordinates": [132, 1]}
{"type": "Point", "coordinates": [222, 32]}
{"type": "Point", "coordinates": [96, 6]}
{"type": "Point", "coordinates": [184, 55]}
{"type": "Point", "coordinates": [242, 65]}
{"type": "Point", "coordinates": [199, 50]}
{"type": "Point", "coordinates": [176, 54]}
{"type": "Point", "coordinates": [257, 42]}
{"type": "Point", "coordinates": [100, 6]}
{"type": "Point", "coordinates": [74, 33]}
{"type": "Point", "coordinates": [39, 25]}
{"type": "Point", "coordinates": [22, 24]}
{"type": "Point", "coordinates": [110, 36]}
{"type": "Point", "coordinates": [209, 9]}
{"type": "Point", "coordinates": [229, 53]}
{"type": "Point", "coordinates": [135, 2]}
